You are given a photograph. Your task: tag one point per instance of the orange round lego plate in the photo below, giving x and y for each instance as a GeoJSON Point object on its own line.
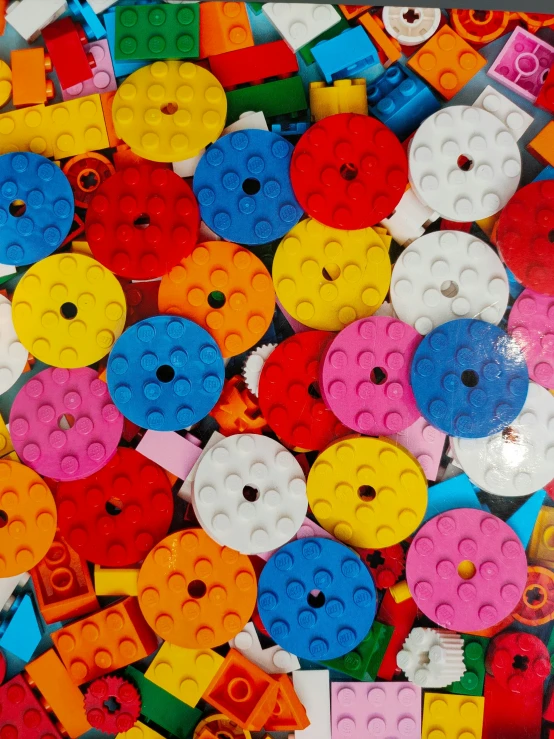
{"type": "Point", "coordinates": [194, 592]}
{"type": "Point", "coordinates": [27, 518]}
{"type": "Point", "coordinates": [226, 290]}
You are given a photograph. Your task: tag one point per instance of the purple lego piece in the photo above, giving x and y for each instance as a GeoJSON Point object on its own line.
{"type": "Point", "coordinates": [103, 76]}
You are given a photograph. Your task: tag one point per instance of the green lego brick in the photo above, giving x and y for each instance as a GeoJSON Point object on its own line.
{"type": "Point", "coordinates": [157, 32]}
{"type": "Point", "coordinates": [280, 97]}
{"type": "Point", "coordinates": [162, 708]}
{"type": "Point", "coordinates": [363, 662]}
{"type": "Point", "coordinates": [471, 683]}
{"type": "Point", "coordinates": [256, 8]}
{"type": "Point", "coordinates": [306, 51]}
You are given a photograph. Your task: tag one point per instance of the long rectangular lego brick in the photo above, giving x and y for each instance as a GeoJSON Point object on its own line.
{"type": "Point", "coordinates": [77, 126]}
{"type": "Point", "coordinates": [280, 97]}
{"type": "Point", "coordinates": [312, 688]}
{"type": "Point", "coordinates": [254, 64]}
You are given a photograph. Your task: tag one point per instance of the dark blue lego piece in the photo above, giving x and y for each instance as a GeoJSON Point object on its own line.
{"type": "Point", "coordinates": [316, 598]}
{"type": "Point", "coordinates": [165, 373]}
{"type": "Point", "coordinates": [401, 100]}
{"type": "Point", "coordinates": [345, 55]}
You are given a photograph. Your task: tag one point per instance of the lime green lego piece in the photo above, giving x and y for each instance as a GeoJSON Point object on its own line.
{"type": "Point", "coordinates": [280, 97]}
{"type": "Point", "coordinates": [471, 683]}
{"type": "Point", "coordinates": [157, 32]}
{"type": "Point", "coordinates": [162, 709]}
{"type": "Point", "coordinates": [306, 51]}
{"type": "Point", "coordinates": [363, 662]}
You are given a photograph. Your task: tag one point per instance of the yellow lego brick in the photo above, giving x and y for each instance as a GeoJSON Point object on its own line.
{"type": "Point", "coordinates": [78, 126]}
{"type": "Point", "coordinates": [115, 580]}
{"type": "Point", "coordinates": [400, 591]}
{"type": "Point", "coordinates": [139, 731]}
{"type": "Point", "coordinates": [487, 224]}
{"type": "Point", "coordinates": [26, 129]}
{"type": "Point", "coordinates": [343, 96]}
{"type": "Point", "coordinates": [185, 673]}
{"type": "Point", "coordinates": [541, 545]}
{"type": "Point", "coordinates": [6, 446]}
{"type": "Point", "coordinates": [81, 247]}
{"type": "Point", "coordinates": [452, 717]}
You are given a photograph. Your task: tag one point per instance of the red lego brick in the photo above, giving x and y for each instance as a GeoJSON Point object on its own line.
{"type": "Point", "coordinates": [386, 564]}
{"type": "Point", "coordinates": [21, 714]}
{"type": "Point", "coordinates": [63, 584]}
{"type": "Point", "coordinates": [126, 698]}
{"type": "Point", "coordinates": [401, 616]}
{"type": "Point", "coordinates": [509, 715]}
{"type": "Point", "coordinates": [288, 713]}
{"type": "Point", "coordinates": [65, 42]}
{"type": "Point", "coordinates": [546, 95]}
{"type": "Point", "coordinates": [254, 64]}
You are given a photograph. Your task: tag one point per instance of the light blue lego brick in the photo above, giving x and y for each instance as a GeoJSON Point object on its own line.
{"type": "Point", "coordinates": [121, 69]}
{"type": "Point", "coordinates": [524, 519]}
{"type": "Point", "coordinates": [85, 15]}
{"type": "Point", "coordinates": [400, 100]}
{"type": "Point", "coordinates": [21, 631]}
{"type": "Point", "coordinates": [345, 55]}
{"type": "Point", "coordinates": [546, 174]}
{"type": "Point", "coordinates": [458, 492]}
{"type": "Point", "coordinates": [290, 129]}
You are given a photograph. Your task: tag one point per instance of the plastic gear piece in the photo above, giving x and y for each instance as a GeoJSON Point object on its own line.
{"type": "Point", "coordinates": [536, 606]}
{"type": "Point", "coordinates": [124, 697]}
{"type": "Point", "coordinates": [432, 658]}
{"type": "Point", "coordinates": [254, 364]}
{"type": "Point", "coordinates": [86, 172]}
{"type": "Point", "coordinates": [423, 25]}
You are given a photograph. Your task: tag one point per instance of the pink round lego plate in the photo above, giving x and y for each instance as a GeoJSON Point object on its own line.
{"type": "Point", "coordinates": [531, 323]}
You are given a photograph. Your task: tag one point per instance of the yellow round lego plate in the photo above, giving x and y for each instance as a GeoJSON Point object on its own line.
{"type": "Point", "coordinates": [169, 111]}
{"type": "Point", "coordinates": [68, 310]}
{"type": "Point", "coordinates": [327, 278]}
{"type": "Point", "coordinates": [5, 83]}
{"type": "Point", "coordinates": [367, 492]}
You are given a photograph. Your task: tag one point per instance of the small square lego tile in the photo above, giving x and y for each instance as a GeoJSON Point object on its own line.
{"type": "Point", "coordinates": [447, 62]}
{"type": "Point", "coordinates": [158, 31]}
{"type": "Point", "coordinates": [516, 120]}
{"type": "Point", "coordinates": [452, 717]}
{"type": "Point", "coordinates": [542, 146]}
{"type": "Point", "coordinates": [300, 23]}
{"type": "Point", "coordinates": [103, 75]}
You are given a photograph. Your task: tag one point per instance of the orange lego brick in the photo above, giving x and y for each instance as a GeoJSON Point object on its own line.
{"type": "Point", "coordinates": [48, 675]}
{"type": "Point", "coordinates": [542, 146]}
{"type": "Point", "coordinates": [63, 584]}
{"type": "Point", "coordinates": [106, 641]}
{"type": "Point", "coordinates": [390, 48]}
{"type": "Point", "coordinates": [353, 11]}
{"type": "Point", "coordinates": [223, 27]}
{"type": "Point", "coordinates": [3, 7]}
{"type": "Point", "coordinates": [243, 692]}
{"type": "Point", "coordinates": [447, 62]}
{"type": "Point", "coordinates": [237, 410]}
{"type": "Point", "coordinates": [106, 100]}
{"type": "Point", "coordinates": [29, 68]}
{"type": "Point", "coordinates": [480, 28]}
{"type": "Point", "coordinates": [288, 713]}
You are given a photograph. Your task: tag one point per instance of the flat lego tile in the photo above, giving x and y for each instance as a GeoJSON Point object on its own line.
{"type": "Point", "coordinates": [452, 716]}
{"type": "Point", "coordinates": [521, 64]}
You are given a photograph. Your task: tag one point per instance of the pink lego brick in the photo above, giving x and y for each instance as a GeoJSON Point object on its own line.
{"type": "Point", "coordinates": [103, 76]}
{"type": "Point", "coordinates": [367, 710]}
{"type": "Point", "coordinates": [308, 529]}
{"type": "Point", "coordinates": [523, 64]}
{"type": "Point", "coordinates": [174, 453]}
{"type": "Point", "coordinates": [425, 442]}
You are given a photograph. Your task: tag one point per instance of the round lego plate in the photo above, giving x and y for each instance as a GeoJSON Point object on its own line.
{"type": "Point", "coordinates": [250, 493]}
{"type": "Point", "coordinates": [115, 516]}
{"type": "Point", "coordinates": [28, 516]}
{"type": "Point", "coordinates": [218, 723]}
{"type": "Point", "coordinates": [36, 208]}
{"type": "Point", "coordinates": [5, 83]}
{"type": "Point", "coordinates": [169, 111]}
{"type": "Point", "coordinates": [466, 570]}
{"type": "Point", "coordinates": [464, 163]}
{"type": "Point", "coordinates": [469, 378]}
{"type": "Point", "coordinates": [411, 28]}
{"type": "Point", "coordinates": [524, 233]}
{"type": "Point", "coordinates": [195, 593]}
{"type": "Point", "coordinates": [226, 290]}
{"type": "Point", "coordinates": [165, 373]}
{"type": "Point", "coordinates": [323, 587]}
{"type": "Point", "coordinates": [126, 699]}
{"type": "Point", "coordinates": [12, 352]}
{"type": "Point", "coordinates": [243, 187]}
{"type": "Point", "coordinates": [141, 222]}
{"type": "Point", "coordinates": [68, 310]}
{"type": "Point", "coordinates": [446, 275]}
{"type": "Point", "coordinates": [290, 397]}
{"type": "Point", "coordinates": [518, 460]}
{"type": "Point", "coordinates": [365, 376]}
{"type": "Point", "coordinates": [368, 493]}
{"type": "Point", "coordinates": [349, 171]}
{"type": "Point", "coordinates": [326, 277]}
{"type": "Point", "coordinates": [86, 173]}
{"type": "Point", "coordinates": [505, 656]}
{"type": "Point", "coordinates": [536, 606]}
{"type": "Point", "coordinates": [531, 323]}
{"type": "Point", "coordinates": [64, 424]}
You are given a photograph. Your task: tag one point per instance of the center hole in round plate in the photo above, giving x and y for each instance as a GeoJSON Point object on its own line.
{"type": "Point", "coordinates": [114, 506]}
{"type": "Point", "coordinates": [112, 705]}
{"type": "Point", "coordinates": [521, 662]}
{"type": "Point", "coordinates": [66, 421]}
{"type": "Point", "coordinates": [449, 289]}
{"type": "Point", "coordinates": [466, 569]}
{"type": "Point", "coordinates": [88, 180]}
{"type": "Point", "coordinates": [331, 272]}
{"type": "Point", "coordinates": [169, 108]}
{"type": "Point", "coordinates": [250, 493]}
{"type": "Point", "coordinates": [142, 221]}
{"type": "Point", "coordinates": [348, 171]}
{"type": "Point", "coordinates": [251, 186]}
{"type": "Point", "coordinates": [378, 375]}
{"type": "Point", "coordinates": [470, 378]}
{"type": "Point", "coordinates": [17, 208]}
{"type": "Point", "coordinates": [366, 493]}
{"type": "Point", "coordinates": [216, 299]}
{"type": "Point", "coordinates": [3, 519]}
{"type": "Point", "coordinates": [313, 390]}
{"type": "Point", "coordinates": [68, 311]}
{"type": "Point", "coordinates": [464, 163]}
{"type": "Point", "coordinates": [316, 599]}
{"type": "Point", "coordinates": [480, 16]}
{"type": "Point", "coordinates": [411, 15]}
{"type": "Point", "coordinates": [197, 589]}
{"type": "Point", "coordinates": [165, 373]}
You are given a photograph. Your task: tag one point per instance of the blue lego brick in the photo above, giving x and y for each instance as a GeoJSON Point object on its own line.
{"type": "Point", "coordinates": [345, 55]}
{"type": "Point", "coordinates": [401, 100]}
{"type": "Point", "coordinates": [545, 174]}
{"type": "Point", "coordinates": [85, 15]}
{"type": "Point", "coordinates": [524, 519]}
{"type": "Point", "coordinates": [457, 492]}
{"type": "Point", "coordinates": [290, 129]}
{"type": "Point", "coordinates": [121, 69]}
{"type": "Point", "coordinates": [20, 632]}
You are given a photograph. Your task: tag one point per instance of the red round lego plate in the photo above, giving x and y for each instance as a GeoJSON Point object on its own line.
{"type": "Point", "coordinates": [349, 171]}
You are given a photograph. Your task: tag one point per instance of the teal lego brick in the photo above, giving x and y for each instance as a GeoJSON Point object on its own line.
{"type": "Point", "coordinates": [157, 32]}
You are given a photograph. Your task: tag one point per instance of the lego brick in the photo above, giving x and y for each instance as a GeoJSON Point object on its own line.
{"type": "Point", "coordinates": [224, 26]}
{"type": "Point", "coordinates": [452, 716]}
{"type": "Point", "coordinates": [306, 50]}
{"type": "Point", "coordinates": [121, 68]}
{"type": "Point", "coordinates": [345, 55]}
{"type": "Point", "coordinates": [400, 100]}
{"type": "Point", "coordinates": [27, 129]}
{"type": "Point", "coordinates": [23, 716]}
{"type": "Point", "coordinates": [10, 588]}
{"type": "Point", "coordinates": [280, 97]}
{"type": "Point", "coordinates": [299, 23]}
{"type": "Point", "coordinates": [140, 731]}
{"type": "Point", "coordinates": [85, 15]}
{"type": "Point", "coordinates": [6, 446]}
{"type": "Point", "coordinates": [104, 642]}
{"type": "Point", "coordinates": [343, 96]}
{"type": "Point", "coordinates": [542, 146]}
{"type": "Point", "coordinates": [163, 709]}
{"type": "Point", "coordinates": [103, 75]}
{"type": "Point", "coordinates": [185, 673]}
{"type": "Point", "coordinates": [446, 62]}
{"type": "Point", "coordinates": [29, 17]}
{"type": "Point", "coordinates": [457, 492]}
{"type": "Point", "coordinates": [521, 63]}
{"type": "Point", "coordinates": [288, 713]}
{"type": "Point", "coordinates": [272, 660]}
{"type": "Point", "coordinates": [116, 580]}
{"type": "Point", "coordinates": [30, 85]}
{"type": "Point", "coordinates": [401, 617]}
{"type": "Point", "coordinates": [411, 26]}
{"type": "Point", "coordinates": [63, 584]}
{"type": "Point", "coordinates": [540, 550]}
{"type": "Point", "coordinates": [185, 490]}
{"type": "Point", "coordinates": [363, 662]}
{"type": "Point", "coordinates": [254, 64]}
{"type": "Point", "coordinates": [390, 49]}
{"type": "Point", "coordinates": [313, 689]}
{"type": "Point", "coordinates": [48, 675]}
{"type": "Point", "coordinates": [157, 32]}
{"type": "Point", "coordinates": [425, 442]}
{"type": "Point", "coordinates": [353, 11]}
{"type": "Point", "coordinates": [524, 519]}
{"type": "Point", "coordinates": [472, 681]}
{"type": "Point", "coordinates": [516, 120]}
{"type": "Point", "coordinates": [176, 454]}
{"type": "Point", "coordinates": [99, 6]}
{"type": "Point", "coordinates": [78, 126]}
{"type": "Point", "coordinates": [409, 219]}
{"type": "Point", "coordinates": [65, 43]}
{"type": "Point", "coordinates": [545, 98]}
{"type": "Point", "coordinates": [5, 83]}
{"type": "Point", "coordinates": [20, 631]}
{"type": "Point", "coordinates": [480, 29]}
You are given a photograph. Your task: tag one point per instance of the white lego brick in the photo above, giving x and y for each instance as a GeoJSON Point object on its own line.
{"type": "Point", "coordinates": [185, 491]}
{"type": "Point", "coordinates": [300, 23]}
{"type": "Point", "coordinates": [7, 587]}
{"type": "Point", "coordinates": [7, 269]}
{"type": "Point", "coordinates": [246, 120]}
{"type": "Point", "coordinates": [313, 690]}
{"type": "Point", "coordinates": [99, 6]}
{"type": "Point", "coordinates": [187, 167]}
{"type": "Point", "coordinates": [29, 17]}
{"type": "Point", "coordinates": [516, 120]}
{"type": "Point", "coordinates": [409, 219]}
{"type": "Point", "coordinates": [273, 660]}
